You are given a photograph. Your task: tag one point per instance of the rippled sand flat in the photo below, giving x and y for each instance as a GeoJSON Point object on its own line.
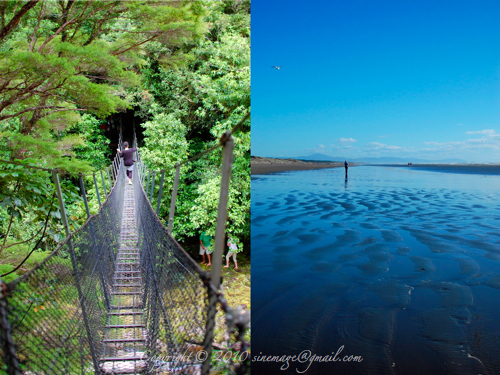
{"type": "Point", "coordinates": [399, 266]}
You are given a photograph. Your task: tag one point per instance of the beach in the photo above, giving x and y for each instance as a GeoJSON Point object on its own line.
{"type": "Point", "coordinates": [393, 266]}
{"type": "Point", "coordinates": [260, 165]}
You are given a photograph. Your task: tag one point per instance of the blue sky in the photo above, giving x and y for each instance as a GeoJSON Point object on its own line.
{"type": "Point", "coordinates": [378, 78]}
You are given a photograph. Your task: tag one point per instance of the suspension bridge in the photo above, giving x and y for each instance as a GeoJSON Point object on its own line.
{"type": "Point", "coordinates": [119, 295]}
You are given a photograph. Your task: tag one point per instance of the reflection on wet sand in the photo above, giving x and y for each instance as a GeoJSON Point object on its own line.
{"type": "Point", "coordinates": [390, 268]}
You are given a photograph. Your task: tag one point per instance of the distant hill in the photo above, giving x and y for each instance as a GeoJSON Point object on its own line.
{"type": "Point", "coordinates": [381, 160]}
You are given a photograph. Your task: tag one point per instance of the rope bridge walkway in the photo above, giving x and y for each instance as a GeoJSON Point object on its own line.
{"type": "Point", "coordinates": [124, 349]}
{"type": "Point", "coordinates": [118, 294]}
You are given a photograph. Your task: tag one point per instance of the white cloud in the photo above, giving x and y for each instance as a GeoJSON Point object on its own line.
{"type": "Point", "coordinates": [345, 140]}
{"type": "Point", "coordinates": [487, 131]}
{"type": "Point", "coordinates": [381, 146]}
{"type": "Point", "coordinates": [442, 143]}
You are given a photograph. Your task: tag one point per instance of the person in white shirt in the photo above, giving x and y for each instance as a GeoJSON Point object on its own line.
{"type": "Point", "coordinates": [233, 249]}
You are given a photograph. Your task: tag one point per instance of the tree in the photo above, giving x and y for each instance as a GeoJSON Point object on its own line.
{"type": "Point", "coordinates": [94, 147]}
{"type": "Point", "coordinates": [59, 59]}
{"type": "Point", "coordinates": [209, 96]}
{"type": "Point", "coordinates": [31, 211]}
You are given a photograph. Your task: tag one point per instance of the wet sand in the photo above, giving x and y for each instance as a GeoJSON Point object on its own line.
{"type": "Point", "coordinates": [262, 166]}
{"type": "Point", "coordinates": [395, 266]}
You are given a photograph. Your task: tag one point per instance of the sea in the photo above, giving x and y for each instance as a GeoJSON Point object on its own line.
{"type": "Point", "coordinates": [395, 270]}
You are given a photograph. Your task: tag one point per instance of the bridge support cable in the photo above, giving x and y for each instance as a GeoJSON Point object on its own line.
{"type": "Point", "coordinates": [97, 190]}
{"type": "Point", "coordinates": [103, 184]}
{"type": "Point", "coordinates": [109, 177]}
{"type": "Point", "coordinates": [7, 346]}
{"type": "Point", "coordinates": [160, 192]}
{"type": "Point", "coordinates": [173, 199]}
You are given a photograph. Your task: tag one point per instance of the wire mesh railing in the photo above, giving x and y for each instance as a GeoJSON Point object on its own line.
{"type": "Point", "coordinates": [174, 295]}
{"type": "Point", "coordinates": [55, 312]}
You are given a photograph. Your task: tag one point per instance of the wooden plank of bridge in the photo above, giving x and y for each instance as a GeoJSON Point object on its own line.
{"type": "Point", "coordinates": [124, 344]}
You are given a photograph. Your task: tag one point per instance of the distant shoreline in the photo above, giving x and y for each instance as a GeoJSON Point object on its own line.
{"type": "Point", "coordinates": [261, 165]}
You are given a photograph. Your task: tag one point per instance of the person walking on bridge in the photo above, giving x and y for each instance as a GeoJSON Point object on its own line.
{"type": "Point", "coordinates": [127, 155]}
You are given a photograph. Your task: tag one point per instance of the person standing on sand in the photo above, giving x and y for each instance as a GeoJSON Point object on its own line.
{"type": "Point", "coordinates": [346, 165]}
{"type": "Point", "coordinates": [127, 155]}
{"type": "Point", "coordinates": [205, 247]}
{"type": "Point", "coordinates": [233, 250]}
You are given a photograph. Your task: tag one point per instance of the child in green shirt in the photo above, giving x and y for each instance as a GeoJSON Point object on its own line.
{"type": "Point", "coordinates": [205, 247]}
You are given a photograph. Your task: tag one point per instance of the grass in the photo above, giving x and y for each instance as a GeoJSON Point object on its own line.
{"type": "Point", "coordinates": [235, 283]}
{"type": "Point", "coordinates": [13, 256]}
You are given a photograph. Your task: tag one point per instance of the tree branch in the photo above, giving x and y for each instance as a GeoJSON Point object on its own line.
{"type": "Point", "coordinates": [96, 30]}
{"type": "Point", "coordinates": [80, 19]}
{"type": "Point", "coordinates": [33, 37]}
{"type": "Point", "coordinates": [36, 245]}
{"type": "Point", "coordinates": [63, 26]}
{"type": "Point", "coordinates": [20, 96]}
{"type": "Point", "coordinates": [20, 242]}
{"type": "Point", "coordinates": [11, 218]}
{"type": "Point", "coordinates": [67, 109]}
{"type": "Point", "coordinates": [6, 234]}
{"type": "Point", "coordinates": [37, 114]}
{"type": "Point", "coordinates": [6, 30]}
{"type": "Point", "coordinates": [4, 117]}
{"type": "Point", "coordinates": [135, 32]}
{"type": "Point", "coordinates": [135, 45]}
{"type": "Point", "coordinates": [2, 14]}
{"type": "Point", "coordinates": [28, 92]}
{"type": "Point", "coordinates": [65, 16]}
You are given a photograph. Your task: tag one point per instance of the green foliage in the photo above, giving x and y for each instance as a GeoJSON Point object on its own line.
{"type": "Point", "coordinates": [49, 151]}
{"type": "Point", "coordinates": [165, 143]}
{"type": "Point", "coordinates": [67, 58]}
{"type": "Point", "coordinates": [22, 190]}
{"type": "Point", "coordinates": [94, 147]}
{"type": "Point", "coordinates": [209, 96]}
{"type": "Point", "coordinates": [29, 209]}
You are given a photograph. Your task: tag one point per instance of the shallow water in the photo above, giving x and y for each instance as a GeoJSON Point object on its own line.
{"type": "Point", "coordinates": [400, 266]}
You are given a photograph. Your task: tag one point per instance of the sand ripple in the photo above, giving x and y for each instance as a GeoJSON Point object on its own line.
{"type": "Point", "coordinates": [363, 263]}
